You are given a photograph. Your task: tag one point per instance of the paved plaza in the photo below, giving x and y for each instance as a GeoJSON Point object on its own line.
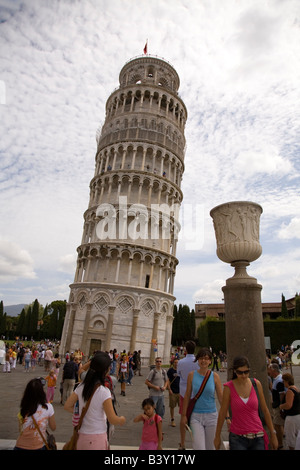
{"type": "Point", "coordinates": [127, 437]}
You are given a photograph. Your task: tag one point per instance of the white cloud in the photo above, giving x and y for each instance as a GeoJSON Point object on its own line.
{"type": "Point", "coordinates": [292, 230]}
{"type": "Point", "coordinates": [263, 161]}
{"type": "Point", "coordinates": [239, 71]}
{"type": "Point", "coordinates": [15, 262]}
{"type": "Point", "coordinates": [68, 263]}
{"type": "Point", "coordinates": [210, 292]}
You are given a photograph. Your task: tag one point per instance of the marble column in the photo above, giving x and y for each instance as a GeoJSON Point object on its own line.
{"type": "Point", "coordinates": [154, 336]}
{"type": "Point", "coordinates": [136, 312]}
{"type": "Point", "coordinates": [237, 233]}
{"type": "Point", "coordinates": [109, 327]}
{"type": "Point", "coordinates": [85, 328]}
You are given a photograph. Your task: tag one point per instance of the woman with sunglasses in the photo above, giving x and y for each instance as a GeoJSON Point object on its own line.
{"type": "Point", "coordinates": [246, 428]}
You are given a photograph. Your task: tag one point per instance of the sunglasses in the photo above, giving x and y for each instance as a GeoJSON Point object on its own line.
{"type": "Point", "coordinates": [157, 361]}
{"type": "Point", "coordinates": [242, 372]}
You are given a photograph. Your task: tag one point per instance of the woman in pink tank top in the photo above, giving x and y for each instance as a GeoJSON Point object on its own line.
{"type": "Point", "coordinates": [246, 429]}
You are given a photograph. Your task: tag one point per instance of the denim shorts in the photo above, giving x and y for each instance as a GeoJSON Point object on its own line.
{"type": "Point", "coordinates": [237, 442]}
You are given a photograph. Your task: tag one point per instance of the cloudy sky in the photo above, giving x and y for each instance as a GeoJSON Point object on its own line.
{"type": "Point", "coordinates": [239, 67]}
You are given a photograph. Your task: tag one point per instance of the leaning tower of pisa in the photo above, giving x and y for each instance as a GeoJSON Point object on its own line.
{"type": "Point", "coordinates": [122, 294]}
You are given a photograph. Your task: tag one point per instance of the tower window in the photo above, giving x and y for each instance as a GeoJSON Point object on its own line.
{"type": "Point", "coordinates": [147, 281]}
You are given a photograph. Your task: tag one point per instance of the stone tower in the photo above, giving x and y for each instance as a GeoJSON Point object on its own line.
{"type": "Point", "coordinates": [122, 295]}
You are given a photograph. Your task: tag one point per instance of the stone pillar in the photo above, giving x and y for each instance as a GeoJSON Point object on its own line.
{"type": "Point", "coordinates": [70, 318]}
{"type": "Point", "coordinates": [154, 336]}
{"type": "Point", "coordinates": [136, 312]}
{"type": "Point", "coordinates": [237, 233]}
{"type": "Point", "coordinates": [85, 328]}
{"type": "Point", "coordinates": [244, 328]}
{"type": "Point", "coordinates": [168, 336]}
{"type": "Point", "coordinates": [109, 326]}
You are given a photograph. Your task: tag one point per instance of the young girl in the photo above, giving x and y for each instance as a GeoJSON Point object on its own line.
{"type": "Point", "coordinates": [152, 428]}
{"type": "Point", "coordinates": [51, 382]}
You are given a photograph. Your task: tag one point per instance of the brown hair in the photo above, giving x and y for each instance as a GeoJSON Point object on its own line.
{"type": "Point", "coordinates": [288, 378]}
{"type": "Point", "coordinates": [203, 352]}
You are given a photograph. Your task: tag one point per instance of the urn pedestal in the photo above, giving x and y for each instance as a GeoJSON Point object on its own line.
{"type": "Point", "coordinates": [236, 227]}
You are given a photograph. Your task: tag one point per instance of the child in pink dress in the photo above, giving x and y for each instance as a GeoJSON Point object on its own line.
{"type": "Point", "coordinates": [152, 427]}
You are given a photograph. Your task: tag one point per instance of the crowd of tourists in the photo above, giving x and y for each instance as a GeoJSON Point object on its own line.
{"type": "Point", "coordinates": [42, 354]}
{"type": "Point", "coordinates": [88, 389]}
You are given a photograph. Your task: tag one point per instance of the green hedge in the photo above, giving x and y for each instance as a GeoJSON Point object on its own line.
{"type": "Point", "coordinates": [282, 331]}
{"type": "Point", "coordinates": [211, 333]}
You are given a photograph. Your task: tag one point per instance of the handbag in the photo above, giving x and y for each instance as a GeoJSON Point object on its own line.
{"type": "Point", "coordinates": [72, 443]}
{"type": "Point", "coordinates": [282, 414]}
{"type": "Point", "coordinates": [260, 413]}
{"type": "Point", "coordinates": [193, 400]}
{"type": "Point", "coordinates": [50, 442]}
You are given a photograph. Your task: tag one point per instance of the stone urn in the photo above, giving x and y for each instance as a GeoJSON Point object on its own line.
{"type": "Point", "coordinates": [236, 227]}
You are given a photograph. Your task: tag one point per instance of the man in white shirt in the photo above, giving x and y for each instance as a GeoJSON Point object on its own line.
{"type": "Point", "coordinates": [185, 366]}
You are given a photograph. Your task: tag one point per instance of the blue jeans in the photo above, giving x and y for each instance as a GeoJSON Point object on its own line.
{"type": "Point", "coordinates": [113, 367]}
{"type": "Point", "coordinates": [159, 402]}
{"type": "Point", "coordinates": [130, 375]}
{"type": "Point", "coordinates": [237, 442]}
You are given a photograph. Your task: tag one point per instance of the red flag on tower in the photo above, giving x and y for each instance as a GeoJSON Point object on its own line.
{"type": "Point", "coordinates": [146, 47]}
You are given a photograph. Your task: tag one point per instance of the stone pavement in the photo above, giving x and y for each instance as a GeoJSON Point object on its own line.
{"type": "Point", "coordinates": [126, 437]}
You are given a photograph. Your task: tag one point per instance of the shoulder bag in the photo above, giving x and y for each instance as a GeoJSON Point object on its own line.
{"type": "Point", "coordinates": [50, 442]}
{"type": "Point", "coordinates": [260, 413]}
{"type": "Point", "coordinates": [193, 400]}
{"type": "Point", "coordinates": [72, 443]}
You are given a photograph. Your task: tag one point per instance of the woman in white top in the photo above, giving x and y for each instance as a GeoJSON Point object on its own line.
{"type": "Point", "coordinates": [93, 431]}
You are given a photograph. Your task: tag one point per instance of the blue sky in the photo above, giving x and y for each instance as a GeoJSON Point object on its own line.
{"type": "Point", "coordinates": [239, 68]}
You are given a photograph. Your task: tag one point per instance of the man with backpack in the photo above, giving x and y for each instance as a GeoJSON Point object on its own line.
{"type": "Point", "coordinates": [157, 382]}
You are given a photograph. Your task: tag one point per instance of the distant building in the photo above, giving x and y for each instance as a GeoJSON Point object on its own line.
{"type": "Point", "coordinates": [271, 310]}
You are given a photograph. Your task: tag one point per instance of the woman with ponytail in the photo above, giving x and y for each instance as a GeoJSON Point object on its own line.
{"type": "Point", "coordinates": [93, 431]}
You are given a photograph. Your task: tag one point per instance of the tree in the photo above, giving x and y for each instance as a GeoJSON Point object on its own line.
{"type": "Point", "coordinates": [34, 318]}
{"type": "Point", "coordinates": [21, 322]}
{"type": "Point", "coordinates": [297, 306]}
{"type": "Point", "coordinates": [193, 324]}
{"type": "Point", "coordinates": [284, 310]}
{"type": "Point", "coordinates": [183, 324]}
{"type": "Point", "coordinates": [53, 319]}
{"type": "Point", "coordinates": [2, 320]}
{"type": "Point", "coordinates": [175, 325]}
{"type": "Point", "coordinates": [26, 326]}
